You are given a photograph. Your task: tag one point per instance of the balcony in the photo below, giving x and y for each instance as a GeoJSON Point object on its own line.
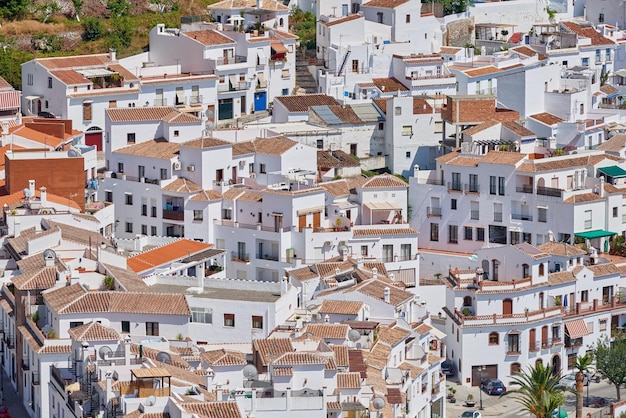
{"type": "Point", "coordinates": [160, 102]}
{"type": "Point", "coordinates": [498, 319]}
{"type": "Point", "coordinates": [258, 226]}
{"type": "Point", "coordinates": [521, 217]}
{"type": "Point", "coordinates": [472, 188]}
{"type": "Point", "coordinates": [237, 59]}
{"type": "Point", "coordinates": [475, 215]}
{"type": "Point", "coordinates": [9, 340]}
{"type": "Point", "coordinates": [548, 343]}
{"type": "Point", "coordinates": [195, 100]}
{"type": "Point", "coordinates": [513, 349]}
{"type": "Point", "coordinates": [174, 215]}
{"type": "Point", "coordinates": [526, 188]}
{"type": "Point", "coordinates": [588, 223]}
{"type": "Point", "coordinates": [229, 87]}
{"type": "Point", "coordinates": [270, 257]}
{"type": "Point", "coordinates": [534, 346]}
{"type": "Point", "coordinates": [497, 216]}
{"type": "Point", "coordinates": [433, 211]}
{"type": "Point", "coordinates": [549, 191]}
{"type": "Point", "coordinates": [239, 257]}
{"type": "Point", "coordinates": [454, 186]}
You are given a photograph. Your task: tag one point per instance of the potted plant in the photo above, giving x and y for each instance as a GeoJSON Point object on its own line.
{"type": "Point", "coordinates": [451, 394]}
{"type": "Point", "coordinates": [469, 401]}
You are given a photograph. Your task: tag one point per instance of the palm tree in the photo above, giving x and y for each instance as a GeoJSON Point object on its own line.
{"type": "Point", "coordinates": [582, 365]}
{"type": "Point", "coordinates": [538, 390]}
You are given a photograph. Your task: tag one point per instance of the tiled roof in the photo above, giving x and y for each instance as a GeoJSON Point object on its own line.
{"type": "Point", "coordinates": [277, 145]}
{"type": "Point", "coordinates": [206, 196]}
{"type": "Point", "coordinates": [489, 69]}
{"type": "Point", "coordinates": [561, 277]}
{"type": "Point", "coordinates": [390, 84]}
{"type": "Point", "coordinates": [182, 185]}
{"type": "Point", "coordinates": [93, 331]}
{"type": "Point", "coordinates": [224, 409]}
{"type": "Point", "coordinates": [414, 370]}
{"type": "Point", "coordinates": [298, 359]}
{"type": "Point", "coordinates": [421, 106]}
{"type": "Point", "coordinates": [376, 289]}
{"type": "Point", "coordinates": [327, 159]}
{"type": "Point", "coordinates": [387, 4]}
{"type": "Point", "coordinates": [615, 144]}
{"type": "Point", "coordinates": [376, 232]}
{"type": "Point", "coordinates": [73, 233]}
{"type": "Point", "coordinates": [449, 50]}
{"type": "Point", "coordinates": [342, 20]}
{"type": "Point", "coordinates": [588, 32]}
{"type": "Point", "coordinates": [341, 355]}
{"type": "Point", "coordinates": [209, 37]}
{"type": "Point", "coordinates": [70, 77]}
{"type": "Point", "coordinates": [609, 89]}
{"type": "Point", "coordinates": [223, 357]}
{"type": "Point", "coordinates": [5, 85]}
{"type": "Point", "coordinates": [36, 279]}
{"type": "Point", "coordinates": [341, 307]}
{"type": "Point", "coordinates": [18, 244]}
{"type": "Point", "coordinates": [582, 198]}
{"type": "Point", "coordinates": [175, 251]}
{"type": "Point", "coordinates": [518, 129]}
{"type": "Point", "coordinates": [392, 336]}
{"type": "Point", "coordinates": [357, 363]}
{"type": "Point", "coordinates": [384, 181]}
{"type": "Point", "coordinates": [600, 270]}
{"type": "Point", "coordinates": [350, 380]}
{"type": "Point", "coordinates": [328, 331]}
{"type": "Point", "coordinates": [480, 127]}
{"type": "Point", "coordinates": [127, 279]}
{"type": "Point", "coordinates": [502, 157]}
{"type": "Point", "coordinates": [249, 4]}
{"type": "Point", "coordinates": [546, 118]}
{"type": "Point", "coordinates": [154, 148]}
{"type": "Point", "coordinates": [561, 163]}
{"type": "Point", "coordinates": [245, 195]}
{"type": "Point", "coordinates": [394, 396]}
{"type": "Point", "coordinates": [302, 274]}
{"type": "Point", "coordinates": [118, 68]}
{"type": "Point", "coordinates": [78, 61]}
{"type": "Point", "coordinates": [244, 148]}
{"type": "Point", "coordinates": [271, 348]}
{"type": "Point", "coordinates": [301, 103]}
{"type": "Point", "coordinates": [143, 114]}
{"type": "Point", "coordinates": [336, 188]}
{"type": "Point", "coordinates": [206, 142]}
{"type": "Point", "coordinates": [329, 268]}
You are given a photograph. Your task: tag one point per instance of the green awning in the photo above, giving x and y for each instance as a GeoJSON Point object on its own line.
{"type": "Point", "coordinates": [598, 233]}
{"type": "Point", "coordinates": [613, 171]}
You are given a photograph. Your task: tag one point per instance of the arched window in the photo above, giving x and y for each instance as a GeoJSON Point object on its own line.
{"type": "Point", "coordinates": [542, 269]}
{"type": "Point", "coordinates": [515, 368]}
{"type": "Point", "coordinates": [467, 301]}
{"type": "Point", "coordinates": [494, 338]}
{"type": "Point", "coordinates": [525, 270]}
{"type": "Point", "coordinates": [281, 22]}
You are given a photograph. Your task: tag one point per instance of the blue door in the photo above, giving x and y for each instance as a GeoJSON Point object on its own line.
{"type": "Point", "coordinates": [260, 101]}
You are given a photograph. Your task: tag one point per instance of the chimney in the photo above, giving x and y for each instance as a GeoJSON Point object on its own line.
{"type": "Point", "coordinates": [601, 188]}
{"type": "Point", "coordinates": [17, 227]}
{"type": "Point", "coordinates": [210, 376]}
{"type": "Point", "coordinates": [43, 195]}
{"type": "Point", "coordinates": [109, 386]}
{"type": "Point", "coordinates": [18, 118]}
{"type": "Point", "coordinates": [374, 273]}
{"type": "Point", "coordinates": [259, 4]}
{"type": "Point", "coordinates": [387, 295]}
{"type": "Point", "coordinates": [112, 54]}
{"type": "Point", "coordinates": [416, 168]}
{"type": "Point", "coordinates": [31, 187]}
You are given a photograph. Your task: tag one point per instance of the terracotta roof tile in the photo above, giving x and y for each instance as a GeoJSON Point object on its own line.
{"type": "Point", "coordinates": [277, 145]}
{"type": "Point", "coordinates": [206, 142]}
{"type": "Point", "coordinates": [93, 331]}
{"type": "Point", "coordinates": [376, 232]}
{"type": "Point", "coordinates": [376, 289]}
{"type": "Point", "coordinates": [389, 85]}
{"type": "Point", "coordinates": [73, 233]}
{"type": "Point", "coordinates": [480, 127]}
{"type": "Point", "coordinates": [341, 355]}
{"type": "Point", "coordinates": [244, 148]}
{"type": "Point", "coordinates": [206, 196]}
{"type": "Point", "coordinates": [223, 357]}
{"type": "Point", "coordinates": [394, 396]}
{"type": "Point", "coordinates": [249, 4]}
{"type": "Point", "coordinates": [582, 198]}
{"type": "Point", "coordinates": [391, 335]}
{"type": "Point", "coordinates": [357, 363]}
{"type": "Point", "coordinates": [70, 77]}
{"type": "Point", "coordinates": [270, 349]}
{"type": "Point", "coordinates": [144, 114]}
{"type": "Point", "coordinates": [561, 277]}
{"type": "Point", "coordinates": [336, 188]}
{"type": "Point", "coordinates": [36, 279]}
{"type": "Point", "coordinates": [600, 270]}
{"type": "Point", "coordinates": [384, 181]}
{"type": "Point", "coordinates": [165, 254]}
{"type": "Point", "coordinates": [350, 380]}
{"type": "Point", "coordinates": [301, 103]}
{"type": "Point", "coordinates": [303, 274]}
{"type": "Point", "coordinates": [502, 157]}
{"type": "Point", "coordinates": [341, 307]}
{"type": "Point", "coordinates": [328, 331]}
{"type": "Point", "coordinates": [209, 37]}
{"type": "Point", "coordinates": [75, 62]}
{"type": "Point", "coordinates": [518, 129]}
{"type": "Point", "coordinates": [342, 20]}
{"type": "Point", "coordinates": [154, 148]}
{"type": "Point", "coordinates": [546, 118]}
{"type": "Point", "coordinates": [182, 185]}
{"type": "Point", "coordinates": [298, 359]}
{"type": "Point", "coordinates": [225, 409]}
{"type": "Point", "coordinates": [588, 32]}
{"type": "Point", "coordinates": [126, 303]}
{"type": "Point", "coordinates": [449, 50]}
{"type": "Point", "coordinates": [5, 85]}
{"type": "Point", "coordinates": [412, 368]}
{"type": "Point", "coordinates": [609, 89]}
{"type": "Point", "coordinates": [387, 4]}
{"type": "Point", "coordinates": [127, 279]}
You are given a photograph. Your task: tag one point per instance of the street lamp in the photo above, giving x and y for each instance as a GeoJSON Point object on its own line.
{"type": "Point", "coordinates": [480, 389]}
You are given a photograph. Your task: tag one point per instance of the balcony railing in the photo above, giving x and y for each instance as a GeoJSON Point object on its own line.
{"type": "Point", "coordinates": [237, 59]}
{"type": "Point", "coordinates": [534, 346]}
{"type": "Point", "coordinates": [195, 100]}
{"type": "Point", "coordinates": [227, 87]}
{"type": "Point", "coordinates": [160, 102]}
{"type": "Point", "coordinates": [433, 211]}
{"type": "Point", "coordinates": [429, 77]}
{"type": "Point", "coordinates": [472, 188]}
{"type": "Point", "coordinates": [524, 189]}
{"type": "Point", "coordinates": [513, 349]}
{"type": "Point", "coordinates": [174, 215]}
{"type": "Point", "coordinates": [240, 257]}
{"type": "Point", "coordinates": [270, 257]}
{"type": "Point", "coordinates": [521, 217]}
{"type": "Point", "coordinates": [475, 215]}
{"type": "Point", "coordinates": [497, 216]}
{"type": "Point", "coordinates": [588, 223]}
{"type": "Point", "coordinates": [547, 343]}
{"type": "Point", "coordinates": [549, 191]}
{"type": "Point", "coordinates": [452, 185]}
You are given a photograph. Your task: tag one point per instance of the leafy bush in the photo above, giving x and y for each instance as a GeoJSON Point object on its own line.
{"type": "Point", "coordinates": [92, 28]}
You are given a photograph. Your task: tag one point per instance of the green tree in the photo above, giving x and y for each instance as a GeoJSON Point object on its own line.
{"type": "Point", "coordinates": [78, 8]}
{"type": "Point", "coordinates": [48, 9]}
{"type": "Point", "coordinates": [610, 361]}
{"type": "Point", "coordinates": [582, 365]}
{"type": "Point", "coordinates": [122, 34]}
{"type": "Point", "coordinates": [303, 26]}
{"type": "Point", "coordinates": [537, 390]}
{"type": "Point", "coordinates": [453, 6]}
{"type": "Point", "coordinates": [92, 28]}
{"type": "Point", "coordinates": [13, 9]}
{"type": "Point", "coordinates": [118, 8]}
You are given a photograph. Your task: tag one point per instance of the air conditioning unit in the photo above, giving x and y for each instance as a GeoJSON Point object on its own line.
{"type": "Point", "coordinates": [191, 168]}
{"type": "Point", "coordinates": [177, 165]}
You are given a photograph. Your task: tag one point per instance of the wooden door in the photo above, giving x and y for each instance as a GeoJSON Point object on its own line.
{"type": "Point", "coordinates": [507, 307]}
{"type": "Point", "coordinates": [301, 222]}
{"type": "Point", "coordinates": [317, 220]}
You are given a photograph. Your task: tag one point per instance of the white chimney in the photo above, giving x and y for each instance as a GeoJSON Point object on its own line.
{"type": "Point", "coordinates": [259, 4]}
{"type": "Point", "coordinates": [18, 118]}
{"type": "Point", "coordinates": [17, 227]}
{"type": "Point", "coordinates": [416, 168]}
{"type": "Point", "coordinates": [387, 295]}
{"type": "Point", "coordinates": [43, 195]}
{"type": "Point", "coordinates": [31, 187]}
{"type": "Point", "coordinates": [374, 273]}
{"type": "Point", "coordinates": [601, 188]}
{"type": "Point", "coordinates": [112, 54]}
{"type": "Point", "coordinates": [109, 386]}
{"type": "Point", "coordinates": [210, 376]}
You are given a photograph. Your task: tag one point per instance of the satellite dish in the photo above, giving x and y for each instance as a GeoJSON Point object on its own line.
{"type": "Point", "coordinates": [378, 403]}
{"type": "Point", "coordinates": [151, 400]}
{"type": "Point", "coordinates": [49, 254]}
{"type": "Point", "coordinates": [104, 351]}
{"type": "Point", "coordinates": [195, 350]}
{"type": "Point", "coordinates": [250, 372]}
{"type": "Point", "coordinates": [209, 113]}
{"type": "Point", "coordinates": [27, 193]}
{"type": "Point", "coordinates": [72, 153]}
{"type": "Point", "coordinates": [164, 357]}
{"type": "Point", "coordinates": [208, 125]}
{"type": "Point", "coordinates": [354, 335]}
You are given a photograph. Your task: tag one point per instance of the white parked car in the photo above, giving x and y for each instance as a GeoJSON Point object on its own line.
{"type": "Point", "coordinates": [470, 414]}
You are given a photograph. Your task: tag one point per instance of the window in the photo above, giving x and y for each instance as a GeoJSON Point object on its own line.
{"type": "Point", "coordinates": [407, 130]}
{"type": "Point", "coordinates": [229, 320]}
{"type": "Point", "coordinates": [588, 219]}
{"type": "Point", "coordinates": [387, 253]}
{"type": "Point", "coordinates": [515, 368]}
{"type": "Point", "coordinates": [197, 215]}
{"type": "Point", "coordinates": [202, 315]}
{"type": "Point", "coordinates": [601, 18]}
{"type": "Point", "coordinates": [434, 232]}
{"type": "Point", "coordinates": [497, 234]}
{"type": "Point", "coordinates": [30, 79]}
{"type": "Point", "coordinates": [153, 211]}
{"type": "Point", "coordinates": [113, 104]}
{"type": "Point", "coordinates": [542, 214]}
{"type": "Point", "coordinates": [144, 209]}
{"type": "Point", "coordinates": [494, 338]}
{"type": "Point", "coordinates": [480, 234]}
{"type": "Point", "coordinates": [584, 296]}
{"type": "Point", "coordinates": [125, 326]}
{"type": "Point", "coordinates": [515, 237]}
{"type": "Point", "coordinates": [163, 173]}
{"type": "Point", "coordinates": [453, 234]}
{"type": "Point", "coordinates": [262, 168]}
{"type": "Point", "coordinates": [501, 186]}
{"type": "Point", "coordinates": [320, 144]}
{"type": "Point", "coordinates": [398, 110]}
{"type": "Point", "coordinates": [144, 229]}
{"type": "Point", "coordinates": [285, 74]}
{"type": "Point", "coordinates": [492, 184]}
{"type": "Point", "coordinates": [456, 182]}
{"type": "Point", "coordinates": [379, 17]}
{"type": "Point", "coordinates": [381, 126]}
{"type": "Point", "coordinates": [152, 328]}
{"type": "Point", "coordinates": [128, 198]}
{"type": "Point", "coordinates": [364, 250]}
{"type": "Point", "coordinates": [76, 324]}
{"type": "Point", "coordinates": [285, 92]}
{"type": "Point", "coordinates": [142, 171]}
{"type": "Point", "coordinates": [513, 343]}
{"type": "Point", "coordinates": [585, 62]}
{"type": "Point", "coordinates": [49, 82]}
{"type": "Point", "coordinates": [153, 230]}
{"type": "Point", "coordinates": [176, 133]}
{"type": "Point", "coordinates": [468, 232]}
{"type": "Point", "coordinates": [108, 196]}
{"type": "Point", "coordinates": [453, 204]}
{"type": "Point", "coordinates": [438, 127]}
{"type": "Point", "coordinates": [408, 154]}
{"type": "Point", "coordinates": [355, 66]}
{"type": "Point", "coordinates": [615, 211]}
{"type": "Point", "coordinates": [542, 269]}
{"type": "Point", "coordinates": [405, 252]}
{"type": "Point", "coordinates": [407, 19]}
{"type": "Point", "coordinates": [86, 111]}
{"type": "Point", "coordinates": [474, 212]}
{"type": "Point", "coordinates": [257, 322]}
{"type": "Point", "coordinates": [120, 167]}
{"type": "Point", "coordinates": [129, 227]}
{"type": "Point", "coordinates": [473, 183]}
{"type": "Point", "coordinates": [582, 108]}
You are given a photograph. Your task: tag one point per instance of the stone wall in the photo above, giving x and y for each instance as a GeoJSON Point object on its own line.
{"type": "Point", "coordinates": [460, 32]}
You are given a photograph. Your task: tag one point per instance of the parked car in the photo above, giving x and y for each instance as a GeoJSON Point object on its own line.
{"type": "Point", "coordinates": [48, 115]}
{"type": "Point", "coordinates": [569, 381]}
{"type": "Point", "coordinates": [493, 386]}
{"type": "Point", "coordinates": [447, 368]}
{"type": "Point", "coordinates": [4, 412]}
{"type": "Point", "coordinates": [470, 414]}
